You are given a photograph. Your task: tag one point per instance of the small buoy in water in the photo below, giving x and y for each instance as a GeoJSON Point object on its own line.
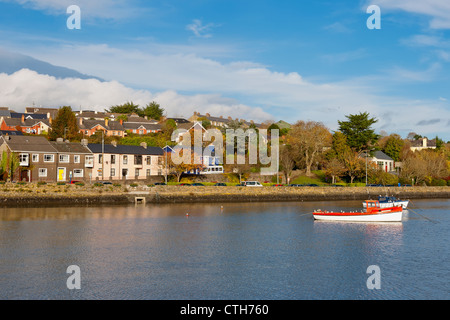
{"type": "Point", "coordinates": [187, 214]}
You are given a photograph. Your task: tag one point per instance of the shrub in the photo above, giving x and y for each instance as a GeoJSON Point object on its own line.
{"type": "Point", "coordinates": [81, 184]}
{"type": "Point", "coordinates": [133, 185]}
{"type": "Point", "coordinates": [41, 183]}
{"type": "Point", "coordinates": [98, 184]}
{"type": "Point", "coordinates": [61, 183]}
{"type": "Point", "coordinates": [438, 182]}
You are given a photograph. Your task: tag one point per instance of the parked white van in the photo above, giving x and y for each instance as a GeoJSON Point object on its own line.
{"type": "Point", "coordinates": [252, 184]}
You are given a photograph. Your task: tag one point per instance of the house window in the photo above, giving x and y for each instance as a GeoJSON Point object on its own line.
{"type": "Point", "coordinates": [78, 173]}
{"type": "Point", "coordinates": [76, 159]}
{"type": "Point", "coordinates": [148, 160]}
{"type": "Point", "coordinates": [100, 158]}
{"type": "Point", "coordinates": [89, 161]}
{"type": "Point", "coordinates": [136, 172]}
{"type": "Point", "coordinates": [149, 172]}
{"type": "Point", "coordinates": [138, 160]}
{"type": "Point", "coordinates": [42, 173]}
{"type": "Point", "coordinates": [113, 172]}
{"type": "Point", "coordinates": [35, 158]}
{"type": "Point", "coordinates": [113, 159]}
{"type": "Point", "coordinates": [125, 159]}
{"type": "Point", "coordinates": [24, 159]}
{"type": "Point", "coordinates": [49, 158]}
{"type": "Point", "coordinates": [64, 158]}
{"type": "Point", "coordinates": [141, 131]}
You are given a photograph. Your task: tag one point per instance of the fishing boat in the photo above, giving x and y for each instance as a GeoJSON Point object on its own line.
{"type": "Point", "coordinates": [388, 202]}
{"type": "Point", "coordinates": [372, 213]}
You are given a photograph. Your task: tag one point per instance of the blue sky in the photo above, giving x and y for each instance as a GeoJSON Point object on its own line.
{"type": "Point", "coordinates": [290, 60]}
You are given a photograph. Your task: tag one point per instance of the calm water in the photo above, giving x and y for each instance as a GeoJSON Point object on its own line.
{"type": "Point", "coordinates": [269, 251]}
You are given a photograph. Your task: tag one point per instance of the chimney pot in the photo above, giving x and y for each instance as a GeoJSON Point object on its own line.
{"type": "Point", "coordinates": [144, 145]}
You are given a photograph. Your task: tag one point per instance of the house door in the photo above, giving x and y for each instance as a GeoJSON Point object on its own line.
{"type": "Point", "coordinates": [61, 174]}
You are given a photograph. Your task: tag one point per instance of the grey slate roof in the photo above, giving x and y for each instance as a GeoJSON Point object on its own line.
{"type": "Point", "coordinates": [70, 147]}
{"type": "Point", "coordinates": [122, 149]}
{"type": "Point", "coordinates": [28, 144]}
{"type": "Point", "coordinates": [382, 156]}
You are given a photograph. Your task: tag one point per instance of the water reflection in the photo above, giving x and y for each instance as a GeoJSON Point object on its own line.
{"type": "Point", "coordinates": [238, 251]}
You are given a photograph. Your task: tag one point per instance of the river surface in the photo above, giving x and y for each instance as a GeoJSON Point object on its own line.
{"type": "Point", "coordinates": [243, 251]}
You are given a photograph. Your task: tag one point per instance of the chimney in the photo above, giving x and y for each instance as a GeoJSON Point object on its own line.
{"type": "Point", "coordinates": [84, 142]}
{"type": "Point", "coordinates": [23, 118]}
{"type": "Point", "coordinates": [50, 120]}
{"type": "Point", "coordinates": [221, 117]}
{"type": "Point", "coordinates": [144, 145]}
{"type": "Point", "coordinates": [230, 118]}
{"type": "Point", "coordinates": [425, 142]}
{"type": "Point", "coordinates": [81, 121]}
{"type": "Point", "coordinates": [208, 115]}
{"type": "Point", "coordinates": [106, 122]}
{"type": "Point", "coordinates": [114, 143]}
{"type": "Point", "coordinates": [121, 121]}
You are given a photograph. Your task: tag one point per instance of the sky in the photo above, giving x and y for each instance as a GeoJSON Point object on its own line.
{"type": "Point", "coordinates": [255, 60]}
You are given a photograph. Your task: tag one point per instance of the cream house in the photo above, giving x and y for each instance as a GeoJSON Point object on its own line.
{"type": "Point", "coordinates": [120, 162]}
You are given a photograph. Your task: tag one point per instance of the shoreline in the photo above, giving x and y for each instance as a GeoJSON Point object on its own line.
{"type": "Point", "coordinates": [176, 194]}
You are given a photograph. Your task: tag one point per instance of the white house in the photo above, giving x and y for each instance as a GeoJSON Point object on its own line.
{"type": "Point", "coordinates": [120, 162]}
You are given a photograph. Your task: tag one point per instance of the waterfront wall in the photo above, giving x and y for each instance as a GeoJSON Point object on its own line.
{"type": "Point", "coordinates": [90, 195]}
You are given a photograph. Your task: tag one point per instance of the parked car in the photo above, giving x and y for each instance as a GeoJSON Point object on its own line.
{"type": "Point", "coordinates": [220, 184]}
{"type": "Point", "coordinates": [197, 184]}
{"type": "Point", "coordinates": [296, 185]}
{"type": "Point", "coordinates": [185, 184]}
{"type": "Point", "coordinates": [312, 185]}
{"type": "Point", "coordinates": [105, 182]}
{"type": "Point", "coordinates": [160, 184]}
{"type": "Point", "coordinates": [278, 185]}
{"type": "Point", "coordinates": [252, 184]}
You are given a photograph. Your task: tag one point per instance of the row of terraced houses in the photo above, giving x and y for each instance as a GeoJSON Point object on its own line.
{"type": "Point", "coordinates": [64, 161]}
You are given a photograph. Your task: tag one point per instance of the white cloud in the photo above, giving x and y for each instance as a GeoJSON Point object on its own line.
{"type": "Point", "coordinates": [24, 87]}
{"type": "Point", "coordinates": [200, 30]}
{"type": "Point", "coordinates": [104, 9]}
{"type": "Point", "coordinates": [437, 10]}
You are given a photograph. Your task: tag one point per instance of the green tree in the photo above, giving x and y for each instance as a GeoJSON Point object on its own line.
{"type": "Point", "coordinates": [65, 125]}
{"type": "Point", "coordinates": [126, 108]}
{"type": "Point", "coordinates": [10, 165]}
{"type": "Point", "coordinates": [394, 147]}
{"type": "Point", "coordinates": [152, 110]}
{"type": "Point", "coordinates": [358, 130]}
